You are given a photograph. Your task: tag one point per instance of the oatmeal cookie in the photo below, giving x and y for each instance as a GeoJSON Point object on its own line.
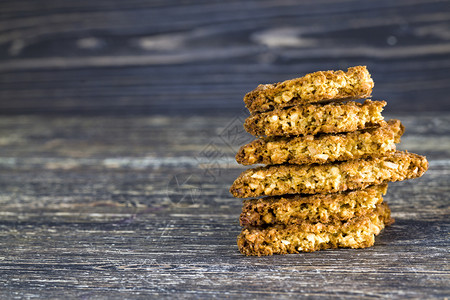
{"type": "Point", "coordinates": [356, 83]}
{"type": "Point", "coordinates": [323, 208]}
{"type": "Point", "coordinates": [322, 148]}
{"type": "Point", "coordinates": [358, 232]}
{"type": "Point", "coordinates": [311, 119]}
{"type": "Point", "coordinates": [277, 180]}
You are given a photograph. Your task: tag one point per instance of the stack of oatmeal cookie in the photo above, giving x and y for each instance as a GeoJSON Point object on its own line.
{"type": "Point", "coordinates": [328, 160]}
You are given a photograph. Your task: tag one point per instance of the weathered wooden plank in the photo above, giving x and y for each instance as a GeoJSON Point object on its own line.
{"type": "Point", "coordinates": [180, 57]}
{"type": "Point", "coordinates": [216, 87]}
{"type": "Point", "coordinates": [127, 217]}
{"type": "Point", "coordinates": [196, 255]}
{"type": "Point", "coordinates": [157, 137]}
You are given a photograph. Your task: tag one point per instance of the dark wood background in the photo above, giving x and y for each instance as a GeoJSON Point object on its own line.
{"type": "Point", "coordinates": [119, 121]}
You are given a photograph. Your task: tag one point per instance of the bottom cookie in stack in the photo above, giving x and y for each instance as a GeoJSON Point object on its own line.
{"type": "Point", "coordinates": [295, 223]}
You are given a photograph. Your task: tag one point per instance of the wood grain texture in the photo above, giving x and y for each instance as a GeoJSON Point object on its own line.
{"type": "Point", "coordinates": [138, 207]}
{"type": "Point", "coordinates": [198, 57]}
{"type": "Point", "coordinates": [119, 122]}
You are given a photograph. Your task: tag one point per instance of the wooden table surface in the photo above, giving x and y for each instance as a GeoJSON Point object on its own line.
{"type": "Point", "coordinates": [119, 121]}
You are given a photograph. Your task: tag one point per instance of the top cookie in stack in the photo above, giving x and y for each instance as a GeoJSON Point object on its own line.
{"type": "Point", "coordinates": [356, 83]}
{"type": "Point", "coordinates": [314, 140]}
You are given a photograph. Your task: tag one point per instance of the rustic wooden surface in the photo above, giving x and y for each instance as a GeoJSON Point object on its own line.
{"type": "Point", "coordinates": [119, 121]}
{"type": "Point", "coordinates": [121, 207]}
{"type": "Point", "coordinates": [147, 57]}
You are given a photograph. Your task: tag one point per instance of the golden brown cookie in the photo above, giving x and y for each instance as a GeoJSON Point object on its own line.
{"type": "Point", "coordinates": [322, 148]}
{"type": "Point", "coordinates": [311, 119]}
{"type": "Point", "coordinates": [278, 180]}
{"type": "Point", "coordinates": [283, 239]}
{"type": "Point", "coordinates": [356, 83]}
{"type": "Point", "coordinates": [323, 208]}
